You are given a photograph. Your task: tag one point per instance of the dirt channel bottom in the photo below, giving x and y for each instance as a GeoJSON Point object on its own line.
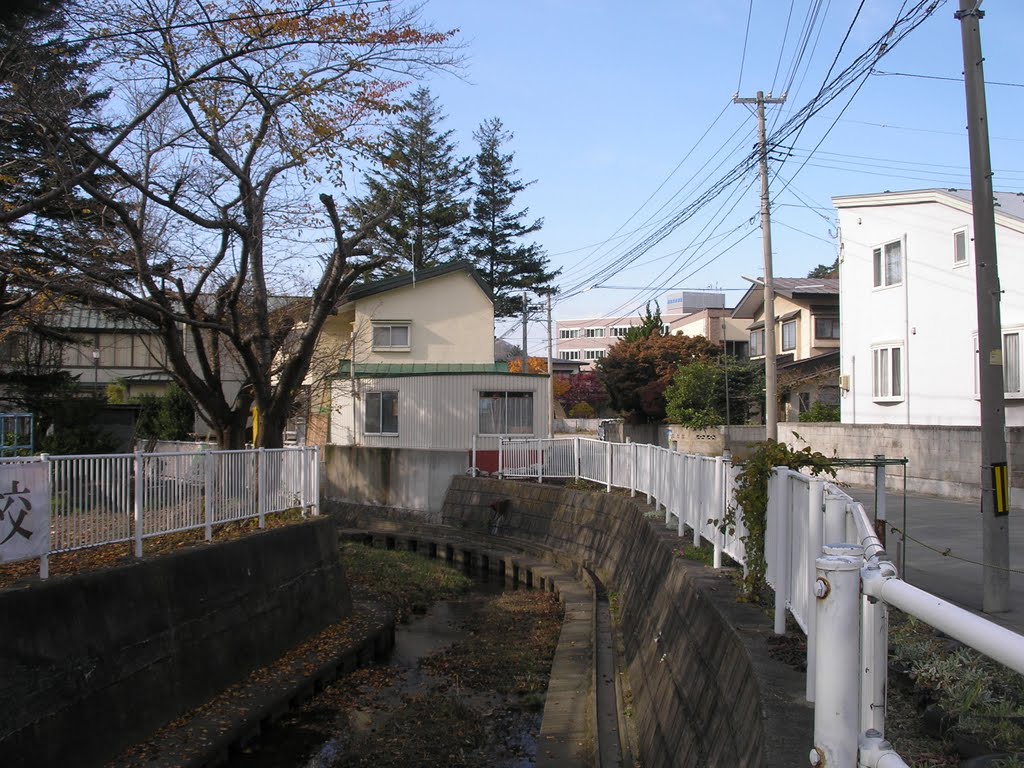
{"type": "Point", "coordinates": [464, 686]}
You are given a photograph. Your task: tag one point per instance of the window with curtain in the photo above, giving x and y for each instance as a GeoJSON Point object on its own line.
{"type": "Point", "coordinates": [887, 373]}
{"type": "Point", "coordinates": [1011, 363]}
{"type": "Point", "coordinates": [789, 336]}
{"type": "Point", "coordinates": [390, 336]}
{"type": "Point", "coordinates": [506, 413]}
{"type": "Point", "coordinates": [757, 342]}
{"type": "Point", "coordinates": [887, 261]}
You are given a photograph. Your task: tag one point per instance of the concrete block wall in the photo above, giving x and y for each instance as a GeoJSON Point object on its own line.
{"type": "Point", "coordinates": [943, 460]}
{"type": "Point", "coordinates": [701, 696]}
{"type": "Point", "coordinates": [404, 478]}
{"type": "Point", "coordinates": [93, 663]}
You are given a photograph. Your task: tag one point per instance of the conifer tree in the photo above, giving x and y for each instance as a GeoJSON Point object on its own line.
{"type": "Point", "coordinates": [423, 184]}
{"type": "Point", "coordinates": [497, 229]}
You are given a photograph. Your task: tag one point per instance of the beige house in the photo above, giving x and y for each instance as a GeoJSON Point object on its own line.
{"type": "Point", "coordinates": [806, 339]}
{"type": "Point", "coordinates": [408, 362]}
{"type": "Point", "coordinates": [718, 326]}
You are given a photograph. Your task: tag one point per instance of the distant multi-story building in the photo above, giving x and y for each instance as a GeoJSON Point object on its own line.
{"type": "Point", "coordinates": [589, 339]}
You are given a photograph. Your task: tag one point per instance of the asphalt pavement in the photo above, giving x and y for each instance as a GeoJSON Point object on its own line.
{"type": "Point", "coordinates": [943, 551]}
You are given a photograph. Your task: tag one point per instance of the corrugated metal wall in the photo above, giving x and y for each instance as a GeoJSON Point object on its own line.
{"type": "Point", "coordinates": [439, 411]}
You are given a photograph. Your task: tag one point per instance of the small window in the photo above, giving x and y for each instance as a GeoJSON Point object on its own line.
{"type": "Point", "coordinates": [569, 354]}
{"type": "Point", "coordinates": [757, 343]}
{"type": "Point", "coordinates": [888, 264]}
{"type": "Point", "coordinates": [887, 373]}
{"type": "Point", "coordinates": [593, 354]}
{"type": "Point", "coordinates": [594, 333]}
{"type": "Point", "coordinates": [959, 247]}
{"type": "Point", "coordinates": [381, 413]}
{"type": "Point", "coordinates": [391, 336]}
{"type": "Point", "coordinates": [1011, 363]}
{"type": "Point", "coordinates": [826, 327]}
{"type": "Point", "coordinates": [506, 413]}
{"type": "Point", "coordinates": [569, 333]}
{"type": "Point", "coordinates": [803, 404]}
{"type": "Point", "coordinates": [789, 336]}
{"type": "Point", "coordinates": [619, 331]}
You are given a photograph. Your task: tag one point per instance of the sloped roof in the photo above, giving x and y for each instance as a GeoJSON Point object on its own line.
{"type": "Point", "coordinates": [1009, 204]}
{"type": "Point", "coordinates": [395, 370]}
{"type": "Point", "coordinates": [401, 281]}
{"type": "Point", "coordinates": [790, 287]}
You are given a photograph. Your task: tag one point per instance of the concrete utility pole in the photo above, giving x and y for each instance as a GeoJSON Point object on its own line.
{"type": "Point", "coordinates": [771, 397]}
{"type": "Point", "coordinates": [526, 318]}
{"type": "Point", "coordinates": [551, 376]}
{"type": "Point", "coordinates": [995, 495]}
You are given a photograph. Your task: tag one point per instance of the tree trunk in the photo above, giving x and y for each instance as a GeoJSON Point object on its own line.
{"type": "Point", "coordinates": [234, 434]}
{"type": "Point", "coordinates": [272, 424]}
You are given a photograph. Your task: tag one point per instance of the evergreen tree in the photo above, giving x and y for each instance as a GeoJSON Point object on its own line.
{"type": "Point", "coordinates": [497, 230]}
{"type": "Point", "coordinates": [423, 183]}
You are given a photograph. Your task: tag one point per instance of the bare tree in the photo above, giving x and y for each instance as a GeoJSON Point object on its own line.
{"type": "Point", "coordinates": [227, 122]}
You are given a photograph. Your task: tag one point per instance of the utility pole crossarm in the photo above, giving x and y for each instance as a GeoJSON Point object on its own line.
{"type": "Point", "coordinates": [771, 420]}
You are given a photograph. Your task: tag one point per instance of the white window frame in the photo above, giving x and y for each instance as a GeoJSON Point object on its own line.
{"type": "Point", "coordinates": [1013, 356]}
{"type": "Point", "coordinates": [381, 396]}
{"type": "Point", "coordinates": [568, 333]}
{"type": "Point", "coordinates": [967, 247]}
{"type": "Point", "coordinates": [879, 265]}
{"type": "Point", "coordinates": [619, 331]}
{"type": "Point", "coordinates": [594, 354]}
{"type": "Point", "coordinates": [391, 325]}
{"type": "Point", "coordinates": [490, 395]}
{"type": "Point", "coordinates": [888, 372]}
{"type": "Point", "coordinates": [594, 333]}
{"type": "Point", "coordinates": [569, 354]}
{"type": "Point", "coordinates": [782, 335]}
{"type": "Point", "coordinates": [755, 349]}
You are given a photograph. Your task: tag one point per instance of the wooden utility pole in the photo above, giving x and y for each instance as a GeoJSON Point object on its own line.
{"type": "Point", "coordinates": [995, 493]}
{"type": "Point", "coordinates": [771, 397]}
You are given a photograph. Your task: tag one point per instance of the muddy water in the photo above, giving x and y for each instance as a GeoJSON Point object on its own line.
{"type": "Point", "coordinates": [354, 715]}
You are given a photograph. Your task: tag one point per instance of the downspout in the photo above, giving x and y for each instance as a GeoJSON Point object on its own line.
{"type": "Point", "coordinates": [906, 325]}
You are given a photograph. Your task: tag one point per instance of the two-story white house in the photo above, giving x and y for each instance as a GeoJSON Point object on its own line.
{"type": "Point", "coordinates": [417, 367]}
{"type": "Point", "coordinates": [909, 309]}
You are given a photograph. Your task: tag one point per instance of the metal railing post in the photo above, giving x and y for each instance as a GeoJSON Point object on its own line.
{"type": "Point", "coordinates": [139, 499]}
{"type": "Point", "coordinates": [679, 494]}
{"type": "Point", "coordinates": [632, 473]}
{"type": "Point", "coordinates": [540, 461]}
{"type": "Point", "coordinates": [697, 497]}
{"type": "Point", "coordinates": [815, 525]}
{"type": "Point", "coordinates": [880, 512]}
{"type": "Point", "coordinates": [837, 689]}
{"type": "Point", "coordinates": [472, 468]}
{"type": "Point", "coordinates": [780, 506]}
{"type": "Point", "coordinates": [608, 467]}
{"type": "Point", "coordinates": [303, 470]}
{"type": "Point", "coordinates": [650, 471]}
{"type": "Point", "coordinates": [261, 486]}
{"type": "Point", "coordinates": [874, 655]}
{"type": "Point", "coordinates": [501, 445]}
{"type": "Point", "coordinates": [721, 469]}
{"type": "Point", "coordinates": [208, 473]}
{"type": "Point", "coordinates": [576, 458]}
{"type": "Point", "coordinates": [834, 531]}
{"type": "Point", "coordinates": [315, 484]}
{"type": "Point", "coordinates": [44, 561]}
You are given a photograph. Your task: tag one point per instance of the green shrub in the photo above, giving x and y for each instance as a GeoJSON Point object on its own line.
{"type": "Point", "coordinates": [581, 411]}
{"type": "Point", "coordinates": [821, 412]}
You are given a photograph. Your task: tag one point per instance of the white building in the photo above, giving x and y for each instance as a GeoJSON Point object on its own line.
{"type": "Point", "coordinates": [908, 307]}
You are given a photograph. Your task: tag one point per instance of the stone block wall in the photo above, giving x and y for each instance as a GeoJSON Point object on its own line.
{"type": "Point", "coordinates": [90, 664]}
{"type": "Point", "coordinates": [701, 696]}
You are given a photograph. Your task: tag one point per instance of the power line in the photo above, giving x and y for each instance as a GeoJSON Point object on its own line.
{"type": "Point", "coordinates": [938, 77]}
{"type": "Point", "coordinates": [746, 35]}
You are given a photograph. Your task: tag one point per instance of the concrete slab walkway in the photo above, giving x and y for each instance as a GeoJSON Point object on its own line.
{"type": "Point", "coordinates": [944, 551]}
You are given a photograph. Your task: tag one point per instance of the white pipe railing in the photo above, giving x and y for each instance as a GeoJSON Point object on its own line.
{"type": "Point", "coordinates": [108, 499]}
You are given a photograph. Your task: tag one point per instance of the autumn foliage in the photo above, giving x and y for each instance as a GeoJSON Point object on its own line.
{"type": "Point", "coordinates": [637, 373]}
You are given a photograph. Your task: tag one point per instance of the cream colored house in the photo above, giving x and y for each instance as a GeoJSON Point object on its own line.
{"type": "Point", "coordinates": [806, 339]}
{"type": "Point", "coordinates": [411, 363]}
{"type": "Point", "coordinates": [717, 325]}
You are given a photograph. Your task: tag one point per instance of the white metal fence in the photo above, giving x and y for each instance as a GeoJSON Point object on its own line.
{"type": "Point", "coordinates": [107, 499]}
{"type": "Point", "coordinates": [823, 561]}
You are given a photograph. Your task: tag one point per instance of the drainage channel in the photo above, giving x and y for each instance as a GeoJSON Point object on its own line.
{"type": "Point", "coordinates": [353, 720]}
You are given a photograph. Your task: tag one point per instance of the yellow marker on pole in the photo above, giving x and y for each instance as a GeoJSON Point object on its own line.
{"type": "Point", "coordinates": [255, 424]}
{"type": "Point", "coordinates": [1001, 488]}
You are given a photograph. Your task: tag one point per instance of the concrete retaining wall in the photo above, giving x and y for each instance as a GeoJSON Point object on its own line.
{"type": "Point", "coordinates": [704, 694]}
{"type": "Point", "coordinates": [407, 478]}
{"type": "Point", "coordinates": [93, 663]}
{"type": "Point", "coordinates": [943, 460]}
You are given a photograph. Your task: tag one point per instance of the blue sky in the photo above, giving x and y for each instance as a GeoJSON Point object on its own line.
{"type": "Point", "coordinates": [609, 104]}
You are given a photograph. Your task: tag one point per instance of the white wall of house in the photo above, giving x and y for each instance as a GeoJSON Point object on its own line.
{"type": "Point", "coordinates": [929, 314]}
{"type": "Point", "coordinates": [450, 320]}
{"type": "Point", "coordinates": [435, 412]}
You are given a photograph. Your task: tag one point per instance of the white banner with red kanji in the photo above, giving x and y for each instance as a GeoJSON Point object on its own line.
{"type": "Point", "coordinates": [24, 510]}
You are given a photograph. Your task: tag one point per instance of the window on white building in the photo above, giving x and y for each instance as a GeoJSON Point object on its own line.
{"type": "Point", "coordinates": [391, 336]}
{"type": "Point", "coordinates": [887, 372]}
{"type": "Point", "coordinates": [593, 354]}
{"type": "Point", "coordinates": [888, 264]}
{"type": "Point", "coordinates": [1011, 363]}
{"type": "Point", "coordinates": [959, 247]}
{"type": "Point", "coordinates": [381, 413]}
{"type": "Point", "coordinates": [594, 333]}
{"type": "Point", "coordinates": [506, 413]}
{"type": "Point", "coordinates": [789, 336]}
{"type": "Point", "coordinates": [569, 333]}
{"type": "Point", "coordinates": [569, 354]}
{"type": "Point", "coordinates": [757, 342]}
